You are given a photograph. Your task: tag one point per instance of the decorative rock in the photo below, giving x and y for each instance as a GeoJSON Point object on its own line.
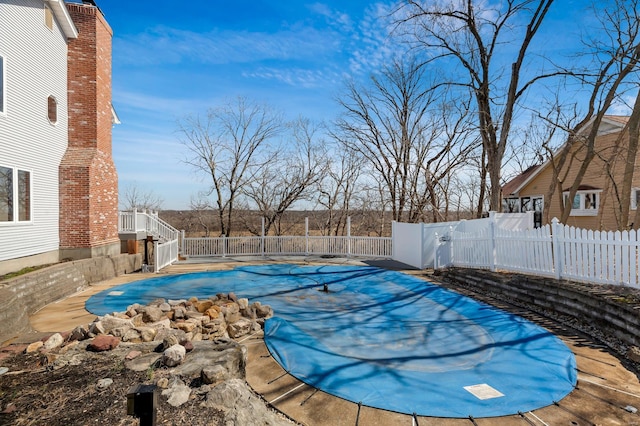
{"type": "Point", "coordinates": [186, 326]}
{"type": "Point", "coordinates": [69, 346]}
{"type": "Point", "coordinates": [177, 395]}
{"type": "Point", "coordinates": [174, 355]}
{"type": "Point", "coordinates": [243, 303]}
{"type": "Point", "coordinates": [33, 347]}
{"type": "Point", "coordinates": [147, 334]}
{"type": "Point", "coordinates": [162, 382]}
{"type": "Point", "coordinates": [96, 328]}
{"type": "Point", "coordinates": [122, 331]}
{"type": "Point", "coordinates": [144, 362]}
{"type": "Point", "coordinates": [104, 383]}
{"type": "Point", "coordinates": [263, 311]}
{"type": "Point", "coordinates": [165, 307]}
{"type": "Point", "coordinates": [213, 374]}
{"type": "Point", "coordinates": [110, 322]}
{"type": "Point", "coordinates": [79, 333]}
{"type": "Point", "coordinates": [132, 355]}
{"type": "Point", "coordinates": [179, 312]}
{"type": "Point", "coordinates": [138, 320]}
{"type": "Point", "coordinates": [3, 370]}
{"type": "Point", "coordinates": [213, 312]}
{"type": "Point", "coordinates": [232, 296]}
{"type": "Point", "coordinates": [131, 335]}
{"type": "Point", "coordinates": [188, 346]}
{"type": "Point", "coordinates": [239, 328]}
{"type": "Point", "coordinates": [203, 306]}
{"type": "Point", "coordinates": [153, 314]}
{"type": "Point", "coordinates": [103, 343]}
{"type": "Point", "coordinates": [55, 341]}
{"type": "Point", "coordinates": [162, 324]}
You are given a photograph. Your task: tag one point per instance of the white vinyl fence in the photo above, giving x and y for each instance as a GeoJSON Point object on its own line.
{"type": "Point", "coordinates": [164, 254]}
{"type": "Point", "coordinates": [558, 251]}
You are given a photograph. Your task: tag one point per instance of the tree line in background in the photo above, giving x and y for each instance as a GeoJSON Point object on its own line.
{"type": "Point", "coordinates": [471, 90]}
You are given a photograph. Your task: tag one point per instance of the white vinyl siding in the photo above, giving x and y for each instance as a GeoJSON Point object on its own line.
{"type": "Point", "coordinates": [35, 68]}
{"type": "Point", "coordinates": [2, 84]}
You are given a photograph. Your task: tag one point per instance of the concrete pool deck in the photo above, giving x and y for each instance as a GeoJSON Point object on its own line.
{"type": "Point", "coordinates": [606, 393]}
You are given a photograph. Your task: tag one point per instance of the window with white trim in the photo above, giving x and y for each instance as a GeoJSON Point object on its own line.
{"type": "Point", "coordinates": [635, 198]}
{"type": "Point", "coordinates": [15, 195]}
{"type": "Point", "coordinates": [585, 203]}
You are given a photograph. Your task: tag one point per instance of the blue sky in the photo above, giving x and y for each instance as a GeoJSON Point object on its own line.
{"type": "Point", "coordinates": [172, 59]}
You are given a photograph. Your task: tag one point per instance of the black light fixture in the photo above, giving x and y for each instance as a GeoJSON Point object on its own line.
{"type": "Point", "coordinates": [142, 402]}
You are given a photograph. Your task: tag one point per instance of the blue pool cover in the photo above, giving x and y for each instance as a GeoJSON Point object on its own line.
{"type": "Point", "coordinates": [385, 339]}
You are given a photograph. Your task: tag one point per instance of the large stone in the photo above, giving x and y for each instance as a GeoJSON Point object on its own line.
{"type": "Point", "coordinates": [177, 395]}
{"type": "Point", "coordinates": [203, 306]}
{"type": "Point", "coordinates": [153, 314]}
{"type": "Point", "coordinates": [174, 355]}
{"type": "Point", "coordinates": [213, 312]}
{"type": "Point", "coordinates": [147, 334]}
{"type": "Point", "coordinates": [110, 322]}
{"type": "Point", "coordinates": [213, 374]}
{"type": "Point", "coordinates": [186, 326]}
{"type": "Point", "coordinates": [103, 343]}
{"type": "Point", "coordinates": [240, 406]}
{"type": "Point", "coordinates": [144, 362]}
{"type": "Point", "coordinates": [633, 353]}
{"type": "Point", "coordinates": [79, 333]}
{"type": "Point", "coordinates": [132, 335]}
{"type": "Point", "coordinates": [240, 328]}
{"type": "Point", "coordinates": [229, 355]}
{"type": "Point", "coordinates": [53, 342]}
{"type": "Point", "coordinates": [243, 303]}
{"type": "Point", "coordinates": [33, 347]}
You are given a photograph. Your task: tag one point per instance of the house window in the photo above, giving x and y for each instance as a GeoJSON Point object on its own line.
{"type": "Point", "coordinates": [48, 17]}
{"type": "Point", "coordinates": [585, 203]}
{"type": "Point", "coordinates": [635, 198]}
{"type": "Point", "coordinates": [15, 195]}
{"type": "Point", "coordinates": [52, 110]}
{"type": "Point", "coordinates": [511, 205]}
{"type": "Point", "coordinates": [2, 84]}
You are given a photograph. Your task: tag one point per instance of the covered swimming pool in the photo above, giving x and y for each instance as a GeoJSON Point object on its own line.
{"type": "Point", "coordinates": [385, 339]}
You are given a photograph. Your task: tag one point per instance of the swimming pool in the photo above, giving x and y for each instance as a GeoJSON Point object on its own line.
{"type": "Point", "coordinates": [385, 339]}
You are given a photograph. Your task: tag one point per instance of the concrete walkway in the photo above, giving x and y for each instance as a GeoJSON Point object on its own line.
{"type": "Point", "coordinates": [607, 393]}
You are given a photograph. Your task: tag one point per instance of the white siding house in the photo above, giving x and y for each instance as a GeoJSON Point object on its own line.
{"type": "Point", "coordinates": [33, 127]}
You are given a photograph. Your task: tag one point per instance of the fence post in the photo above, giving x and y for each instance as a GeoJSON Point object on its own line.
{"type": "Point", "coordinates": [181, 243]}
{"type": "Point", "coordinates": [492, 239]}
{"type": "Point", "coordinates": [262, 239]}
{"type": "Point", "coordinates": [451, 243]}
{"type": "Point", "coordinates": [306, 236]}
{"type": "Point", "coordinates": [224, 245]}
{"type": "Point", "coordinates": [156, 257]}
{"type": "Point", "coordinates": [555, 242]}
{"type": "Point", "coordinates": [393, 240]}
{"type": "Point", "coordinates": [436, 265]}
{"type": "Point", "coordinates": [348, 236]}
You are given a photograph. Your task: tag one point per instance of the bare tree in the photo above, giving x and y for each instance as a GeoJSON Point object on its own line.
{"type": "Point", "coordinates": [133, 197]}
{"type": "Point", "coordinates": [400, 129]}
{"type": "Point", "coordinates": [293, 170]}
{"type": "Point", "coordinates": [228, 147]}
{"type": "Point", "coordinates": [469, 33]}
{"type": "Point", "coordinates": [335, 192]}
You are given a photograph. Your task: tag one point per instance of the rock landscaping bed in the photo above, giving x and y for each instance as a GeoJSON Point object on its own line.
{"type": "Point", "coordinates": [185, 348]}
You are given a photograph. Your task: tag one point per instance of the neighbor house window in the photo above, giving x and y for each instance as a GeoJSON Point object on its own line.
{"type": "Point", "coordinates": [585, 203]}
{"type": "Point", "coordinates": [15, 195]}
{"type": "Point", "coordinates": [635, 198]}
{"type": "Point", "coordinates": [52, 110]}
{"type": "Point", "coordinates": [2, 84]}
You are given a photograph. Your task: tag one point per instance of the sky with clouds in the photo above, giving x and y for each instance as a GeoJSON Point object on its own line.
{"type": "Point", "coordinates": [172, 59]}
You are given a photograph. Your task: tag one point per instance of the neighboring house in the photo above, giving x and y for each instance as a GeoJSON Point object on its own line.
{"type": "Point", "coordinates": [58, 183]}
{"type": "Point", "coordinates": [593, 205]}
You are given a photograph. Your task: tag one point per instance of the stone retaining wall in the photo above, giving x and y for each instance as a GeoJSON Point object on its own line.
{"type": "Point", "coordinates": [22, 296]}
{"type": "Point", "coordinates": [613, 310]}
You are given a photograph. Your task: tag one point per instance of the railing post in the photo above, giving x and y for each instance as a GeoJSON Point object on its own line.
{"type": "Point", "coordinates": [306, 235]}
{"type": "Point", "coordinates": [135, 220]}
{"type": "Point", "coordinates": [348, 236]}
{"type": "Point", "coordinates": [557, 247]}
{"type": "Point", "coordinates": [224, 245]}
{"type": "Point", "coordinates": [492, 239]}
{"type": "Point", "coordinates": [262, 239]}
{"type": "Point", "coordinates": [393, 240]}
{"type": "Point", "coordinates": [181, 242]}
{"type": "Point", "coordinates": [436, 265]}
{"type": "Point", "coordinates": [450, 261]}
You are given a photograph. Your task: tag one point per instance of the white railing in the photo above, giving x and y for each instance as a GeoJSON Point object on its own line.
{"type": "Point", "coordinates": [287, 245]}
{"type": "Point", "coordinates": [559, 251]}
{"type": "Point", "coordinates": [164, 254]}
{"type": "Point", "coordinates": [135, 221]}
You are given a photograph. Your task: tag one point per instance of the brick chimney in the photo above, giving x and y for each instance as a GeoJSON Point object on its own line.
{"type": "Point", "coordinates": [88, 177]}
